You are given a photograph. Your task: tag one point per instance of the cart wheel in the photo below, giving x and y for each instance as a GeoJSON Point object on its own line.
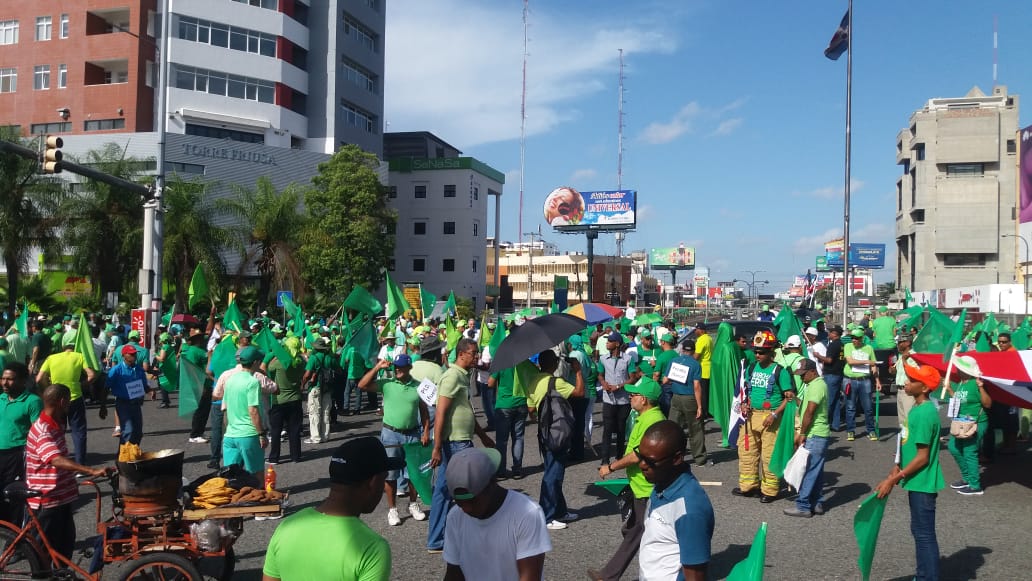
{"type": "Point", "coordinates": [218, 568]}
{"type": "Point", "coordinates": [159, 566]}
{"type": "Point", "coordinates": [24, 561]}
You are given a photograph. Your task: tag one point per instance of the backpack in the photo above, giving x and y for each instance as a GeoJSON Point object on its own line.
{"type": "Point", "coordinates": [555, 420]}
{"type": "Point", "coordinates": [331, 376]}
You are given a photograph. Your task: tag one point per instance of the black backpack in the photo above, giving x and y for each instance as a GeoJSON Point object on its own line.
{"type": "Point", "coordinates": [331, 375]}
{"type": "Point", "coordinates": [555, 420]}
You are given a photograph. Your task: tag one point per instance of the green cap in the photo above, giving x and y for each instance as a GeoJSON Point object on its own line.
{"type": "Point", "coordinates": [857, 332]}
{"type": "Point", "coordinates": [883, 309]}
{"type": "Point", "coordinates": [667, 338]}
{"type": "Point", "coordinates": [646, 387]}
{"type": "Point", "coordinates": [765, 308]}
{"type": "Point", "coordinates": [250, 354]}
{"type": "Point", "coordinates": [134, 335]}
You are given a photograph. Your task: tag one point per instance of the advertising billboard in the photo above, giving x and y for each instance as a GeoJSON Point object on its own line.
{"type": "Point", "coordinates": [833, 251]}
{"type": "Point", "coordinates": [676, 258]}
{"type": "Point", "coordinates": [822, 264]}
{"type": "Point", "coordinates": [568, 210]}
{"type": "Point", "coordinates": [861, 255]}
{"type": "Point", "coordinates": [1025, 186]}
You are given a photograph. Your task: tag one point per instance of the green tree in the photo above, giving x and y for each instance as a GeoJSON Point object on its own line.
{"type": "Point", "coordinates": [271, 225]}
{"type": "Point", "coordinates": [28, 214]}
{"type": "Point", "coordinates": [33, 292]}
{"type": "Point", "coordinates": [104, 224]}
{"type": "Point", "coordinates": [885, 291]}
{"type": "Point", "coordinates": [349, 239]}
{"type": "Point", "coordinates": [190, 235]}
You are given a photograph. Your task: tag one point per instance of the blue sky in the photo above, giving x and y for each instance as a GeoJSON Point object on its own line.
{"type": "Point", "coordinates": [734, 119]}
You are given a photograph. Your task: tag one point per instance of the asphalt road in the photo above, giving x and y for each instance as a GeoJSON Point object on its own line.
{"type": "Point", "coordinates": [980, 537]}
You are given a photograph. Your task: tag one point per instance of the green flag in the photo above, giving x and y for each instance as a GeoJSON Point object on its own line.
{"type": "Point", "coordinates": [417, 460]}
{"type": "Point", "coordinates": [724, 370]}
{"type": "Point", "coordinates": [22, 324]}
{"type": "Point", "coordinates": [907, 298]}
{"type": "Point", "coordinates": [362, 301]}
{"type": "Point", "coordinates": [427, 301]}
{"type": "Point", "coordinates": [497, 337]}
{"type": "Point", "coordinates": [223, 358]}
{"type": "Point", "coordinates": [784, 445]}
{"type": "Point", "coordinates": [911, 317]}
{"type": "Point", "coordinates": [198, 287]}
{"type": "Point", "coordinates": [485, 333]}
{"type": "Point", "coordinates": [84, 344]}
{"type": "Point", "coordinates": [166, 319]}
{"type": "Point", "coordinates": [191, 384]}
{"type": "Point", "coordinates": [936, 333]}
{"type": "Point", "coordinates": [449, 307]}
{"type": "Point", "coordinates": [1019, 338]}
{"type": "Point", "coordinates": [957, 334]}
{"type": "Point", "coordinates": [169, 379]}
{"type": "Point", "coordinates": [396, 302]}
{"type": "Point", "coordinates": [751, 568]}
{"type": "Point", "coordinates": [451, 335]}
{"type": "Point", "coordinates": [296, 319]}
{"type": "Point", "coordinates": [267, 343]}
{"type": "Point", "coordinates": [365, 345]}
{"type": "Point", "coordinates": [866, 524]}
{"type": "Point", "coordinates": [234, 320]}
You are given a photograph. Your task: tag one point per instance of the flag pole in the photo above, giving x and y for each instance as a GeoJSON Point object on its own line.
{"type": "Point", "coordinates": [847, 282]}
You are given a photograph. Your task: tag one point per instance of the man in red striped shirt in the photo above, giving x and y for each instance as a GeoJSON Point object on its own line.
{"type": "Point", "coordinates": [49, 470]}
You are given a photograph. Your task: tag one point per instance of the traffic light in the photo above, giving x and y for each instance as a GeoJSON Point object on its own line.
{"type": "Point", "coordinates": [51, 162]}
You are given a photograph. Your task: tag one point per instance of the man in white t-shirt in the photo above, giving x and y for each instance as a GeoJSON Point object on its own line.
{"type": "Point", "coordinates": [815, 349]}
{"type": "Point", "coordinates": [492, 533]}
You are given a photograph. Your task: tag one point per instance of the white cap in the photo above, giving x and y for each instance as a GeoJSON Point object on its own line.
{"type": "Point", "coordinates": [811, 330]}
{"type": "Point", "coordinates": [793, 341]}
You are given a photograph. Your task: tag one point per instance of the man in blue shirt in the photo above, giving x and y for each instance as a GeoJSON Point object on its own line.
{"type": "Point", "coordinates": [127, 383]}
{"type": "Point", "coordinates": [679, 518]}
{"type": "Point", "coordinates": [687, 404]}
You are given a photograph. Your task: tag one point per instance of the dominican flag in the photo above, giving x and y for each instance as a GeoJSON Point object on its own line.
{"type": "Point", "coordinates": [737, 419]}
{"type": "Point", "coordinates": [1008, 374]}
{"type": "Point", "coordinates": [839, 41]}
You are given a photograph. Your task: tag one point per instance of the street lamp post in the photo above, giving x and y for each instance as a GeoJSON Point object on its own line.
{"type": "Point", "coordinates": [752, 285]}
{"type": "Point", "coordinates": [1024, 269]}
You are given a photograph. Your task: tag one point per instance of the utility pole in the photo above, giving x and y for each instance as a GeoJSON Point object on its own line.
{"type": "Point", "coordinates": [534, 236]}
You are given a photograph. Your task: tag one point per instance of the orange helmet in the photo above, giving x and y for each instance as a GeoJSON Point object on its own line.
{"type": "Point", "coordinates": [764, 340]}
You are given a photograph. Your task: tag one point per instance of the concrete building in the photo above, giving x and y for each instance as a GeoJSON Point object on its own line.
{"type": "Point", "coordinates": [520, 268]}
{"type": "Point", "coordinates": [239, 69]}
{"type": "Point", "coordinates": [956, 195]}
{"type": "Point", "coordinates": [441, 200]}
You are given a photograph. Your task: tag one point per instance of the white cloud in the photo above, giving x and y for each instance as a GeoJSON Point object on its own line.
{"type": "Point", "coordinates": [461, 77]}
{"type": "Point", "coordinates": [727, 127]}
{"type": "Point", "coordinates": [645, 212]}
{"type": "Point", "coordinates": [833, 192]}
{"type": "Point", "coordinates": [582, 175]}
{"type": "Point", "coordinates": [689, 117]}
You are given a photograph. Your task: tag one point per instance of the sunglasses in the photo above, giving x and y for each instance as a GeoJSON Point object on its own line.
{"type": "Point", "coordinates": [650, 462]}
{"type": "Point", "coordinates": [1003, 341]}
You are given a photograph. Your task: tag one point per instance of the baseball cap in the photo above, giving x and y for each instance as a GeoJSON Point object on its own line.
{"type": "Point", "coordinates": [857, 333]}
{"type": "Point", "coordinates": [360, 459]}
{"type": "Point", "coordinates": [811, 331]}
{"type": "Point", "coordinates": [883, 309]}
{"type": "Point", "coordinates": [805, 365]}
{"type": "Point", "coordinates": [322, 344]}
{"type": "Point", "coordinates": [470, 471]}
{"type": "Point", "coordinates": [430, 344]}
{"type": "Point", "coordinates": [134, 335]}
{"type": "Point", "coordinates": [667, 338]}
{"type": "Point", "coordinates": [836, 328]}
{"type": "Point", "coordinates": [403, 360]}
{"type": "Point", "coordinates": [128, 350]}
{"type": "Point", "coordinates": [688, 346]}
{"type": "Point", "coordinates": [249, 354]}
{"type": "Point", "coordinates": [766, 308]}
{"type": "Point", "coordinates": [926, 374]}
{"type": "Point", "coordinates": [793, 341]}
{"type": "Point", "coordinates": [903, 337]}
{"type": "Point", "coordinates": [646, 387]}
{"type": "Point", "coordinates": [615, 338]}
{"type": "Point", "coordinates": [645, 335]}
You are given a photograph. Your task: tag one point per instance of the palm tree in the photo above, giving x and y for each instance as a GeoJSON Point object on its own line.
{"type": "Point", "coordinates": [269, 232]}
{"type": "Point", "coordinates": [28, 214]}
{"type": "Point", "coordinates": [104, 224]}
{"type": "Point", "coordinates": [191, 236]}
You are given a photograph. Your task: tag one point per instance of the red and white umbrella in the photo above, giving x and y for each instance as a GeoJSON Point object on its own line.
{"type": "Point", "coordinates": [1008, 374]}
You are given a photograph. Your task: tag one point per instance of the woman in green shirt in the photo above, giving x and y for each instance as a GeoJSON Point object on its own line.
{"type": "Point", "coordinates": [972, 402]}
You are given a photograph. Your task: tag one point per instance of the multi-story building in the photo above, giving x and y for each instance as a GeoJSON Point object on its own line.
{"type": "Point", "coordinates": [441, 200]}
{"type": "Point", "coordinates": [956, 196]}
{"type": "Point", "coordinates": [283, 73]}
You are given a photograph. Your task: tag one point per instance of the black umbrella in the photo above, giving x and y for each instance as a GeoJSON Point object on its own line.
{"type": "Point", "coordinates": [533, 337]}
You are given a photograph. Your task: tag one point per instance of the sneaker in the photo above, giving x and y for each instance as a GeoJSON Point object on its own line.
{"type": "Point", "coordinates": [213, 464]}
{"type": "Point", "coordinates": [958, 484]}
{"type": "Point", "coordinates": [968, 491]}
{"type": "Point", "coordinates": [569, 517]}
{"type": "Point", "coordinates": [163, 405]}
{"type": "Point", "coordinates": [796, 512]}
{"type": "Point", "coordinates": [276, 516]}
{"type": "Point", "coordinates": [850, 436]}
{"type": "Point", "coordinates": [416, 511]}
{"type": "Point", "coordinates": [392, 517]}
{"type": "Point", "coordinates": [555, 526]}
{"type": "Point", "coordinates": [435, 551]}
{"type": "Point", "coordinates": [819, 509]}
{"type": "Point", "coordinates": [311, 441]}
{"type": "Point", "coordinates": [198, 440]}
{"type": "Point", "coordinates": [872, 437]}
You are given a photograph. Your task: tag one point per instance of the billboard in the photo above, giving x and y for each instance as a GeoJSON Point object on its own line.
{"type": "Point", "coordinates": [1025, 175]}
{"type": "Point", "coordinates": [861, 255]}
{"type": "Point", "coordinates": [833, 251]}
{"type": "Point", "coordinates": [822, 264]}
{"type": "Point", "coordinates": [676, 258]}
{"type": "Point", "coordinates": [568, 210]}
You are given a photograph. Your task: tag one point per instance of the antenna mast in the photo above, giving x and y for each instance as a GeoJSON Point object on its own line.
{"type": "Point", "coordinates": [996, 48]}
{"type": "Point", "coordinates": [619, 145]}
{"type": "Point", "coordinates": [523, 118]}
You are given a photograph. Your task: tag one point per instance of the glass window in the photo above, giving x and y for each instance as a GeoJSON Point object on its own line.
{"type": "Point", "coordinates": [449, 227]}
{"type": "Point", "coordinates": [64, 26]}
{"type": "Point", "coordinates": [104, 124]}
{"type": "Point", "coordinates": [9, 32]}
{"type": "Point", "coordinates": [418, 264]}
{"type": "Point", "coordinates": [62, 76]}
{"type": "Point", "coordinates": [449, 191]}
{"type": "Point", "coordinates": [41, 78]}
{"type": "Point", "coordinates": [266, 93]}
{"type": "Point", "coordinates": [236, 87]}
{"type": "Point", "coordinates": [957, 170]}
{"type": "Point", "coordinates": [420, 191]}
{"type": "Point", "coordinates": [267, 47]}
{"type": "Point", "coordinates": [184, 78]}
{"type": "Point", "coordinates": [216, 83]}
{"type": "Point", "coordinates": [8, 80]}
{"type": "Point", "coordinates": [392, 191]}
{"type": "Point", "coordinates": [419, 228]}
{"type": "Point", "coordinates": [448, 265]}
{"type": "Point", "coordinates": [237, 39]}
{"type": "Point", "coordinates": [219, 35]}
{"type": "Point", "coordinates": [476, 229]}
{"type": "Point", "coordinates": [44, 27]}
{"type": "Point", "coordinates": [187, 28]}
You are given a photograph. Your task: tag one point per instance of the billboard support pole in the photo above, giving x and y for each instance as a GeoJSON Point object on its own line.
{"type": "Point", "coordinates": [592, 235]}
{"type": "Point", "coordinates": [849, 121]}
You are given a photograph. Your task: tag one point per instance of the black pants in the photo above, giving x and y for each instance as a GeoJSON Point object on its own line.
{"type": "Point", "coordinates": [12, 469]}
{"type": "Point", "coordinates": [580, 405]}
{"type": "Point", "coordinates": [614, 420]}
{"type": "Point", "coordinates": [631, 530]}
{"type": "Point", "coordinates": [59, 527]}
{"type": "Point", "coordinates": [200, 416]}
{"type": "Point", "coordinates": [289, 415]}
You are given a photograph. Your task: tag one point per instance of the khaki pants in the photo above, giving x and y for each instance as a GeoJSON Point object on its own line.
{"type": "Point", "coordinates": [318, 415]}
{"type": "Point", "coordinates": [682, 411]}
{"type": "Point", "coordinates": [754, 463]}
{"type": "Point", "coordinates": [904, 403]}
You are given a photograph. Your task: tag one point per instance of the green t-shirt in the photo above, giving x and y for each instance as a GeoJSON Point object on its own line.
{"type": "Point", "coordinates": [647, 360]}
{"type": "Point", "coordinates": [865, 353]}
{"type": "Point", "coordinates": [424, 369]}
{"type": "Point", "coordinates": [141, 353]}
{"type": "Point", "coordinates": [459, 421]}
{"type": "Point", "coordinates": [922, 427]}
{"type": "Point", "coordinates": [539, 388]}
{"type": "Point", "coordinates": [359, 554]}
{"type": "Point", "coordinates": [816, 392]}
{"type": "Point", "coordinates": [641, 487]}
{"type": "Point", "coordinates": [884, 328]}
{"type": "Point", "coordinates": [356, 365]}
{"type": "Point", "coordinates": [970, 400]}
{"type": "Point", "coordinates": [44, 344]}
{"type": "Point", "coordinates": [789, 362]}
{"type": "Point", "coordinates": [66, 368]}
{"type": "Point", "coordinates": [704, 352]}
{"type": "Point", "coordinates": [317, 361]}
{"type": "Point", "coordinates": [288, 381]}
{"type": "Point", "coordinates": [505, 400]}
{"type": "Point", "coordinates": [759, 381]}
{"type": "Point", "coordinates": [664, 358]}
{"type": "Point", "coordinates": [242, 392]}
{"type": "Point", "coordinates": [588, 370]}
{"type": "Point", "coordinates": [16, 417]}
{"type": "Point", "coordinates": [400, 403]}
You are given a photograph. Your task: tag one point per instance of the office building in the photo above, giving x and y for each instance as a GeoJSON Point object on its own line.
{"type": "Point", "coordinates": [537, 269]}
{"type": "Point", "coordinates": [956, 196]}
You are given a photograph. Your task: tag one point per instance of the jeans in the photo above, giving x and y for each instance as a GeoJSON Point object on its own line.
{"type": "Point", "coordinates": [835, 401]}
{"type": "Point", "coordinates": [812, 486]}
{"type": "Point", "coordinates": [289, 415]}
{"type": "Point", "coordinates": [614, 420]}
{"type": "Point", "coordinates": [579, 404]}
{"type": "Point", "coordinates": [130, 418]}
{"type": "Point", "coordinates": [442, 501]}
{"type": "Point", "coordinates": [665, 397]}
{"type": "Point", "coordinates": [394, 442]}
{"type": "Point", "coordinates": [351, 387]}
{"type": "Point", "coordinates": [216, 431]}
{"type": "Point", "coordinates": [859, 390]}
{"type": "Point", "coordinates": [922, 527]}
{"type": "Point", "coordinates": [487, 398]}
{"type": "Point", "coordinates": [510, 422]}
{"type": "Point", "coordinates": [553, 502]}
{"type": "Point", "coordinates": [77, 426]}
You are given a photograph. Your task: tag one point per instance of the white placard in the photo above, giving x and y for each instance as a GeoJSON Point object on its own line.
{"type": "Point", "coordinates": [134, 389]}
{"type": "Point", "coordinates": [428, 392]}
{"type": "Point", "coordinates": [678, 373]}
{"type": "Point", "coordinates": [954, 408]}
